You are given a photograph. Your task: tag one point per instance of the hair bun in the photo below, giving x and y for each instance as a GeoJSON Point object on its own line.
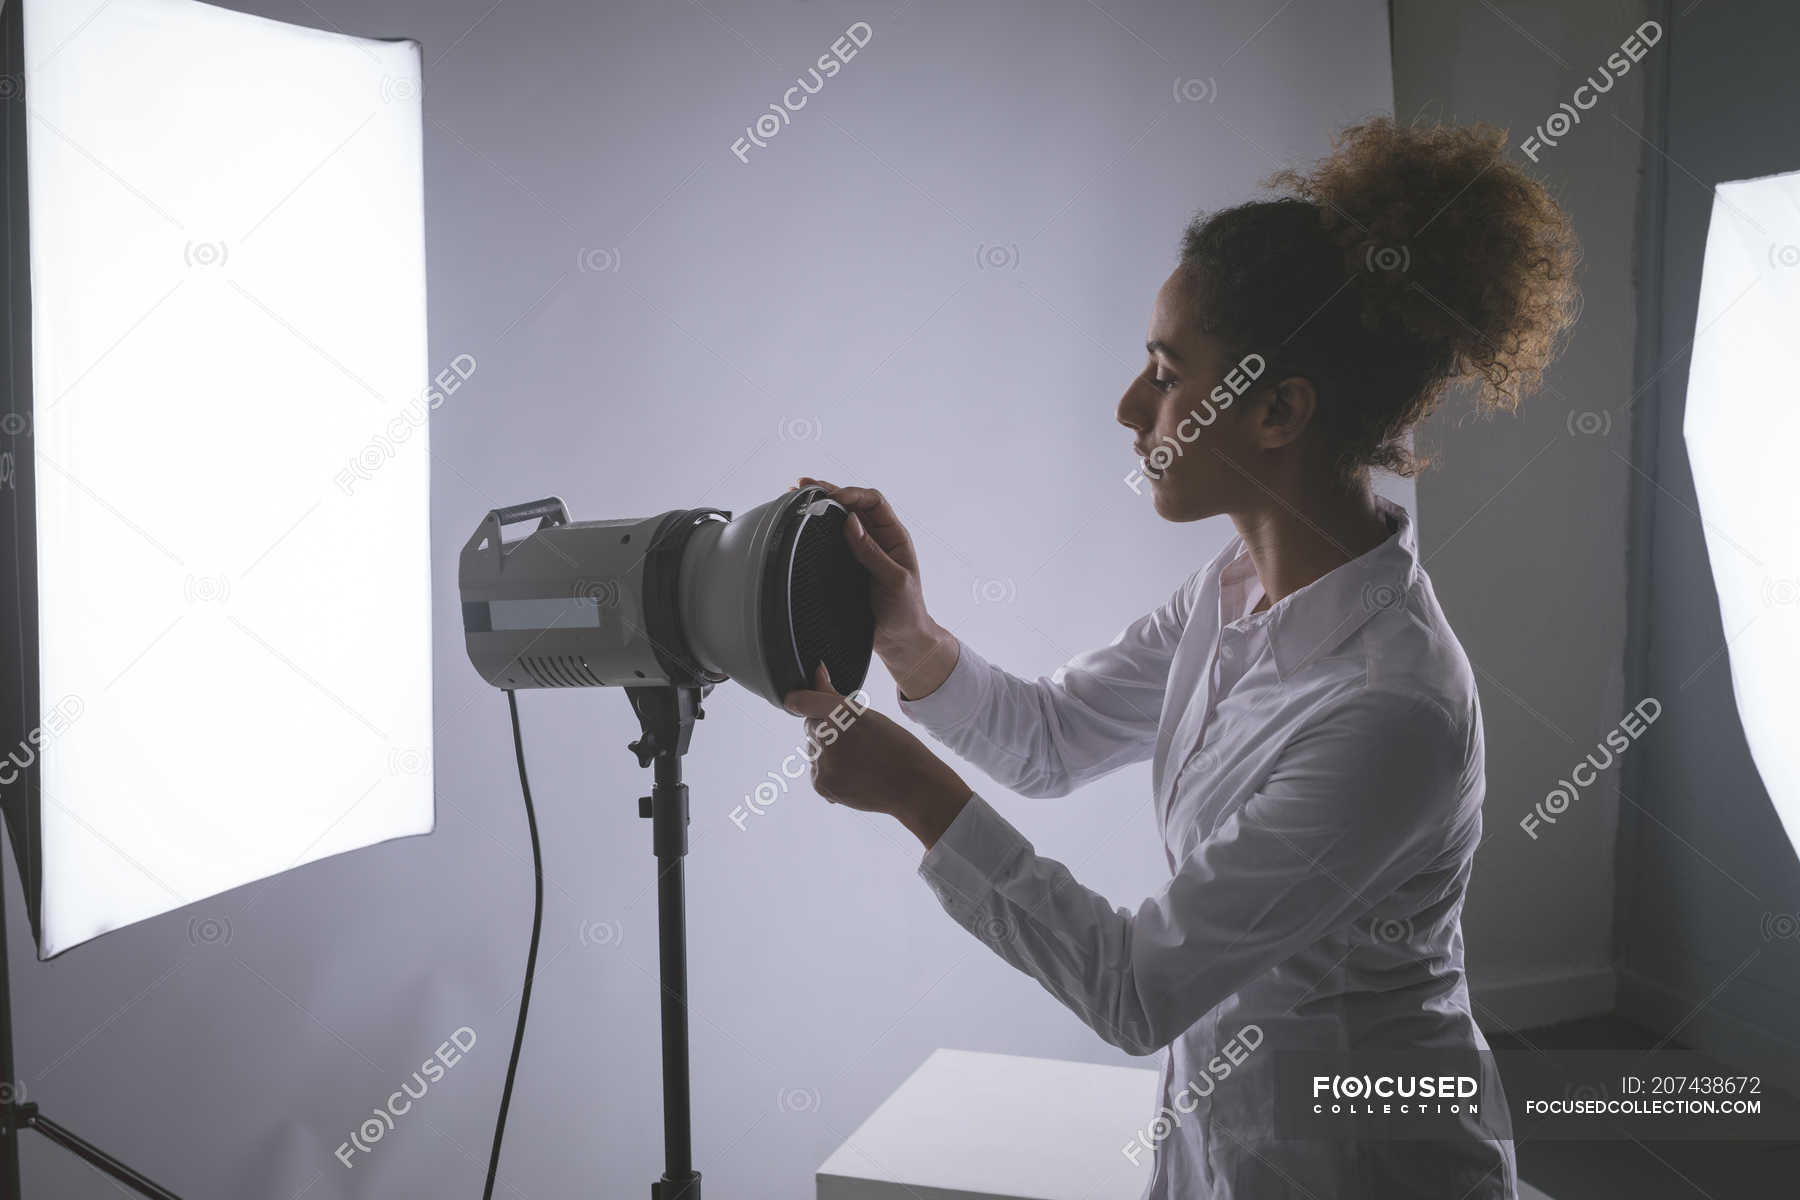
{"type": "Point", "coordinates": [1449, 246]}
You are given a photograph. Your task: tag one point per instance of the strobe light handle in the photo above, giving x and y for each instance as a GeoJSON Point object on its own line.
{"type": "Point", "coordinates": [549, 506]}
{"type": "Point", "coordinates": [550, 509]}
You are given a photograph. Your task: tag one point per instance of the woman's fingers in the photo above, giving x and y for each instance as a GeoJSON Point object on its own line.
{"type": "Point", "coordinates": [820, 700]}
{"type": "Point", "coordinates": [865, 550]}
{"type": "Point", "coordinates": [877, 516]}
{"type": "Point", "coordinates": [856, 499]}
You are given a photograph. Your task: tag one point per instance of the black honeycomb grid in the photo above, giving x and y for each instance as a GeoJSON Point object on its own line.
{"type": "Point", "coordinates": [828, 615]}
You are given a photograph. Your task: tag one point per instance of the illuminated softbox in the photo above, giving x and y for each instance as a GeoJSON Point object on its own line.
{"type": "Point", "coordinates": [217, 632]}
{"type": "Point", "coordinates": [1741, 426]}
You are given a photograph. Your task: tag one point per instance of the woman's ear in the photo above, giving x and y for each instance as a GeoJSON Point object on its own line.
{"type": "Point", "coordinates": [1284, 410]}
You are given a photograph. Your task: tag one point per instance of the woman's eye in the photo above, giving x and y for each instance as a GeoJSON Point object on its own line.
{"type": "Point", "coordinates": [1163, 383]}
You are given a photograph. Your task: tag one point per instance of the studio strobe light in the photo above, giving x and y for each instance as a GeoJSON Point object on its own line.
{"type": "Point", "coordinates": [665, 607]}
{"type": "Point", "coordinates": [689, 597]}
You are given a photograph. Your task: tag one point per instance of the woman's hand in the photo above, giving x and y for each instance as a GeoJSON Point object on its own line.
{"type": "Point", "coordinates": [917, 651]}
{"type": "Point", "coordinates": [867, 762]}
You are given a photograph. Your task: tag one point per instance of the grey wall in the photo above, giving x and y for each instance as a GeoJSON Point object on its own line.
{"type": "Point", "coordinates": [1706, 872]}
{"type": "Point", "coordinates": [935, 280]}
{"type": "Point", "coordinates": [1523, 523]}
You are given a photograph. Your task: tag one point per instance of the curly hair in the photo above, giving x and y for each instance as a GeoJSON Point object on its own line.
{"type": "Point", "coordinates": [1408, 259]}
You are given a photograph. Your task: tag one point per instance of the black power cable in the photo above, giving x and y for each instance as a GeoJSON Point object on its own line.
{"type": "Point", "coordinates": [537, 922]}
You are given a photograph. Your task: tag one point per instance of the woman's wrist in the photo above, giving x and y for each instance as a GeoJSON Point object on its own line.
{"type": "Point", "coordinates": [919, 664]}
{"type": "Point", "coordinates": [928, 812]}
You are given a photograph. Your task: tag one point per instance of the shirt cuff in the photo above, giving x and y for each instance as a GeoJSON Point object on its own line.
{"type": "Point", "coordinates": [956, 700]}
{"type": "Point", "coordinates": [976, 850]}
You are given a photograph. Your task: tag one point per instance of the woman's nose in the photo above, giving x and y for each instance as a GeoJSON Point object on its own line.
{"type": "Point", "coordinates": [1133, 411]}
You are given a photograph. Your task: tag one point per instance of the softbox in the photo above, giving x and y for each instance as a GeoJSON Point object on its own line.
{"type": "Point", "coordinates": [215, 619]}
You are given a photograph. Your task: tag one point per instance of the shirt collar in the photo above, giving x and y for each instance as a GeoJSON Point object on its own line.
{"type": "Point", "coordinates": [1312, 622]}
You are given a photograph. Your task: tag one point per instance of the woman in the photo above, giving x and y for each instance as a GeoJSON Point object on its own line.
{"type": "Point", "coordinates": [1311, 719]}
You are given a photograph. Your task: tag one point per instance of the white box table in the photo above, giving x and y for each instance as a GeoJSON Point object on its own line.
{"type": "Point", "coordinates": [969, 1125]}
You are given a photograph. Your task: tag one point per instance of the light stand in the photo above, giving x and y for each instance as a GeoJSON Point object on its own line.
{"type": "Point", "coordinates": [667, 715]}
{"type": "Point", "coordinates": [15, 1116]}
{"type": "Point", "coordinates": [667, 607]}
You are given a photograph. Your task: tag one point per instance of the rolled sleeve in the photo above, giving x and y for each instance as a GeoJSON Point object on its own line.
{"type": "Point", "coordinates": [956, 700]}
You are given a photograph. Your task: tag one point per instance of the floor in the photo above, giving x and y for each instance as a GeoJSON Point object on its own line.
{"type": "Point", "coordinates": [1651, 1171]}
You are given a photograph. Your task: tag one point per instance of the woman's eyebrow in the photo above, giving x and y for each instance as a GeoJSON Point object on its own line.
{"type": "Point", "coordinates": [1157, 346]}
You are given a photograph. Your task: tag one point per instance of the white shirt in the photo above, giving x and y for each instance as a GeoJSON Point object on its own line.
{"type": "Point", "coordinates": [1317, 771]}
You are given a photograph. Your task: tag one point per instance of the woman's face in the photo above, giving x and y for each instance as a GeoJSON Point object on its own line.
{"type": "Point", "coordinates": [1188, 412]}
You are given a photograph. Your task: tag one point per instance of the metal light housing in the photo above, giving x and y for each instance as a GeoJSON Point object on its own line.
{"type": "Point", "coordinates": [690, 597]}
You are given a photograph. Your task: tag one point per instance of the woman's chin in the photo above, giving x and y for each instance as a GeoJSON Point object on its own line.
{"type": "Point", "coordinates": [1171, 505]}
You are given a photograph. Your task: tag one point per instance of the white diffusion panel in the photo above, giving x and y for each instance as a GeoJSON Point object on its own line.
{"type": "Point", "coordinates": [229, 363]}
{"type": "Point", "coordinates": [1741, 426]}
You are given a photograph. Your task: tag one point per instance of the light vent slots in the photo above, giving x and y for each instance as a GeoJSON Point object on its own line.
{"type": "Point", "coordinates": [559, 670]}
